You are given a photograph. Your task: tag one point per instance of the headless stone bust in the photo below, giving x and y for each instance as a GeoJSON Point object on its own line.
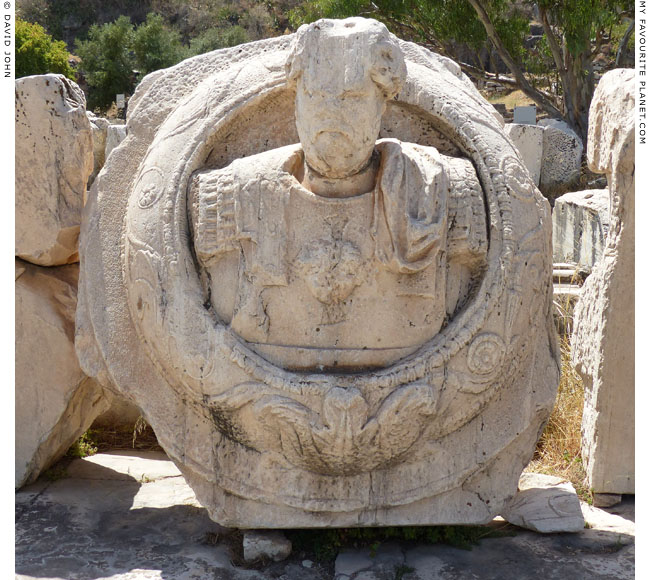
{"type": "Point", "coordinates": [343, 252]}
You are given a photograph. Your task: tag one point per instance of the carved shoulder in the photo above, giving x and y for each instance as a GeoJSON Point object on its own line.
{"type": "Point", "coordinates": [467, 236]}
{"type": "Point", "coordinates": [224, 204]}
{"type": "Point", "coordinates": [211, 204]}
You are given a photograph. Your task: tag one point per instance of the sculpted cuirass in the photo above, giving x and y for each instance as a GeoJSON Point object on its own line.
{"type": "Point", "coordinates": [365, 275]}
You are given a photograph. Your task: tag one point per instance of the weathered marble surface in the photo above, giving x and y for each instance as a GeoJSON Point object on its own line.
{"type": "Point", "coordinates": [529, 141]}
{"type": "Point", "coordinates": [603, 338]}
{"type": "Point", "coordinates": [54, 158]}
{"type": "Point", "coordinates": [580, 224]}
{"type": "Point", "coordinates": [99, 127]}
{"type": "Point", "coordinates": [115, 134]}
{"type": "Point", "coordinates": [545, 504]}
{"type": "Point", "coordinates": [218, 311]}
{"type": "Point", "coordinates": [561, 160]}
{"type": "Point", "coordinates": [55, 401]}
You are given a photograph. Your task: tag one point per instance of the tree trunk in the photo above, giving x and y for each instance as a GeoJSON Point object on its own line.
{"type": "Point", "coordinates": [576, 89]}
{"type": "Point", "coordinates": [622, 49]}
{"type": "Point", "coordinates": [540, 98]}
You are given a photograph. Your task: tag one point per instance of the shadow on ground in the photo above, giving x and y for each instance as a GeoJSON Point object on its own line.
{"type": "Point", "coordinates": [127, 516]}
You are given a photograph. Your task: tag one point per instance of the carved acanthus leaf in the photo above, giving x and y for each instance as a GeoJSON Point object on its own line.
{"type": "Point", "coordinates": [340, 439]}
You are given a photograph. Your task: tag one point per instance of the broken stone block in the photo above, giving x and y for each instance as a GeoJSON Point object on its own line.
{"type": "Point", "coordinates": [604, 500]}
{"type": "Point", "coordinates": [115, 134]}
{"type": "Point", "coordinates": [263, 544]}
{"type": "Point", "coordinates": [602, 343]}
{"type": "Point", "coordinates": [545, 504]}
{"type": "Point", "coordinates": [580, 224]}
{"type": "Point", "coordinates": [54, 157]}
{"type": "Point", "coordinates": [561, 158]}
{"type": "Point", "coordinates": [99, 127]}
{"type": "Point", "coordinates": [528, 139]}
{"type": "Point", "coordinates": [55, 401]}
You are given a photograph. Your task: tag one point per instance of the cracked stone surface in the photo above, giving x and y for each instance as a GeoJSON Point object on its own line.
{"type": "Point", "coordinates": [131, 516]}
{"type": "Point", "coordinates": [54, 158]}
{"type": "Point", "coordinates": [390, 275]}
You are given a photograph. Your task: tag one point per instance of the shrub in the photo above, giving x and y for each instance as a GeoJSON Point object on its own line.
{"type": "Point", "coordinates": [155, 46]}
{"type": "Point", "coordinates": [38, 53]}
{"type": "Point", "coordinates": [107, 60]}
{"type": "Point", "coordinates": [215, 38]}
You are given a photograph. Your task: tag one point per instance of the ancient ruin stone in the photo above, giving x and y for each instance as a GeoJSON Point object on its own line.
{"type": "Point", "coordinates": [561, 158]}
{"type": "Point", "coordinates": [580, 223]}
{"type": "Point", "coordinates": [319, 267]}
{"type": "Point", "coordinates": [115, 134]}
{"type": "Point", "coordinates": [54, 157]}
{"type": "Point", "coordinates": [265, 545]}
{"type": "Point", "coordinates": [99, 127]}
{"type": "Point", "coordinates": [55, 401]}
{"type": "Point", "coordinates": [529, 140]}
{"type": "Point", "coordinates": [545, 504]}
{"type": "Point", "coordinates": [603, 338]}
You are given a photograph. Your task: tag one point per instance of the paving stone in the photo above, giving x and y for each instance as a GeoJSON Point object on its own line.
{"type": "Point", "coordinates": [349, 562]}
{"type": "Point", "coordinates": [265, 544]}
{"type": "Point", "coordinates": [110, 525]}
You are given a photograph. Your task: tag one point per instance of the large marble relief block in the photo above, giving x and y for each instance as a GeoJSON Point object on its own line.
{"type": "Point", "coordinates": [322, 270]}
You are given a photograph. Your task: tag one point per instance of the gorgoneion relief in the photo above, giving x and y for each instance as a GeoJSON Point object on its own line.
{"type": "Point", "coordinates": [319, 267]}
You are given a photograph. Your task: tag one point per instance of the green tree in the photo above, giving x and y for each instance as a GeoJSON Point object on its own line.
{"type": "Point", "coordinates": [219, 37]}
{"type": "Point", "coordinates": [37, 53]}
{"type": "Point", "coordinates": [573, 34]}
{"type": "Point", "coordinates": [108, 61]}
{"type": "Point", "coordinates": [156, 46]}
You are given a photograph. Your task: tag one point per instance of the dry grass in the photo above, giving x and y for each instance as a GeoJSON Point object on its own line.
{"type": "Point", "coordinates": [558, 450]}
{"type": "Point", "coordinates": [512, 99]}
{"type": "Point", "coordinates": [141, 436]}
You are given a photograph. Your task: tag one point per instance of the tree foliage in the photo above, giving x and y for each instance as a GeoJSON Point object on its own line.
{"type": "Point", "coordinates": [156, 46]}
{"type": "Point", "coordinates": [37, 53]}
{"type": "Point", "coordinates": [218, 37]}
{"type": "Point", "coordinates": [573, 34]}
{"type": "Point", "coordinates": [117, 54]}
{"type": "Point", "coordinates": [107, 60]}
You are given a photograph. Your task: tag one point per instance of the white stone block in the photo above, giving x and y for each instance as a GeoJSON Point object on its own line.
{"type": "Point", "coordinates": [115, 134]}
{"type": "Point", "coordinates": [603, 339]}
{"type": "Point", "coordinates": [528, 140]}
{"type": "Point", "coordinates": [580, 224]}
{"type": "Point", "coordinates": [54, 158]}
{"type": "Point", "coordinates": [55, 401]}
{"type": "Point", "coordinates": [545, 504]}
{"type": "Point", "coordinates": [99, 127]}
{"type": "Point", "coordinates": [265, 545]}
